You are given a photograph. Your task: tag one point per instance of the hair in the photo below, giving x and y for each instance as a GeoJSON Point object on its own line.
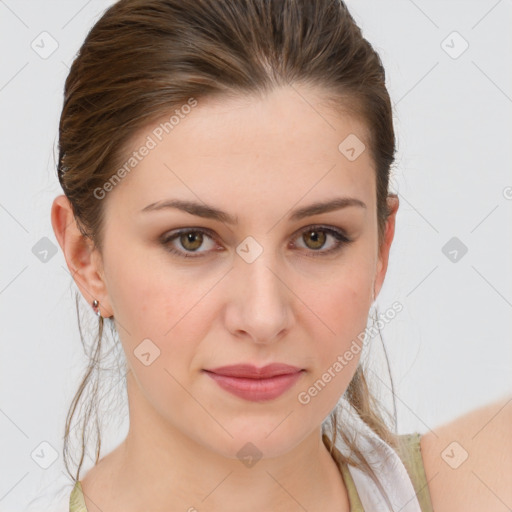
{"type": "Point", "coordinates": [144, 58]}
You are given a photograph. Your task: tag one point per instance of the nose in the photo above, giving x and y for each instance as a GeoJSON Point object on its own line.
{"type": "Point", "coordinates": [260, 306]}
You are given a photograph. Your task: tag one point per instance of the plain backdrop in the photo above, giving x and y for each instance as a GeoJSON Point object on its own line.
{"type": "Point", "coordinates": [449, 75]}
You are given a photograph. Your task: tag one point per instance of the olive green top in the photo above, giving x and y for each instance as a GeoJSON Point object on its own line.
{"type": "Point", "coordinates": [409, 452]}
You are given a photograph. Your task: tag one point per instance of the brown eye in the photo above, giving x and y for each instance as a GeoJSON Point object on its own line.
{"type": "Point", "coordinates": [191, 240]}
{"type": "Point", "coordinates": [317, 238]}
{"type": "Point", "coordinates": [187, 242]}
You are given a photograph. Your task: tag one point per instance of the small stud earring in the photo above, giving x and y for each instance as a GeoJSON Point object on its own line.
{"type": "Point", "coordinates": [95, 305]}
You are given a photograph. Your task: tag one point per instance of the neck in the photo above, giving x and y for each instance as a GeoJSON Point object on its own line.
{"type": "Point", "coordinates": [159, 467]}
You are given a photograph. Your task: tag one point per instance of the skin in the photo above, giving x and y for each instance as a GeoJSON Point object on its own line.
{"type": "Point", "coordinates": [257, 158]}
{"type": "Point", "coordinates": [483, 480]}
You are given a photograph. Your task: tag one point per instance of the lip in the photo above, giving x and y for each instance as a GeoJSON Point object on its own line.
{"type": "Point", "coordinates": [256, 384]}
{"type": "Point", "coordinates": [253, 372]}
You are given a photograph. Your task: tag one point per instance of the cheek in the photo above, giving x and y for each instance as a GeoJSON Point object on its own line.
{"type": "Point", "coordinates": [342, 302]}
{"type": "Point", "coordinates": [146, 293]}
{"type": "Point", "coordinates": [153, 300]}
{"type": "Point", "coordinates": [341, 309]}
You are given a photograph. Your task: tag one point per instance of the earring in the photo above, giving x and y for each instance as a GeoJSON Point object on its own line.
{"type": "Point", "coordinates": [95, 305]}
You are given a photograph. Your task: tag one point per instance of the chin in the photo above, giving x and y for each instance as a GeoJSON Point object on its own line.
{"type": "Point", "coordinates": [256, 439]}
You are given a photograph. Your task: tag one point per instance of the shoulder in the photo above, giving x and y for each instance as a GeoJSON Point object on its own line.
{"type": "Point", "coordinates": [468, 461]}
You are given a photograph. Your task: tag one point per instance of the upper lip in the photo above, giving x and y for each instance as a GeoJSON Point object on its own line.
{"type": "Point", "coordinates": [253, 372]}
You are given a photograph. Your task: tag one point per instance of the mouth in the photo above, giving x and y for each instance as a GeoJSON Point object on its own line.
{"type": "Point", "coordinates": [256, 384]}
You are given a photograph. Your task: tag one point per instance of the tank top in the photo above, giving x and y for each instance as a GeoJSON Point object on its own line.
{"type": "Point", "coordinates": [408, 450]}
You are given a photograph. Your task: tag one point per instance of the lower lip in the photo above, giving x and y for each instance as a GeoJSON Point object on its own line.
{"type": "Point", "coordinates": [256, 390]}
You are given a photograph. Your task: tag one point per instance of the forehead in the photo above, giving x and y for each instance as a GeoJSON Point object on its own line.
{"type": "Point", "coordinates": [278, 147]}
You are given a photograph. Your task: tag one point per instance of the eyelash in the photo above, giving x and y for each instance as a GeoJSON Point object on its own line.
{"type": "Point", "coordinates": [341, 240]}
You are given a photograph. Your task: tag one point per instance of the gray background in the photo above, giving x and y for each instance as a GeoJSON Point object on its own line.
{"type": "Point", "coordinates": [449, 348]}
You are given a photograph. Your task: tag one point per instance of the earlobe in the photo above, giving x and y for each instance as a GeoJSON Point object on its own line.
{"type": "Point", "coordinates": [82, 259]}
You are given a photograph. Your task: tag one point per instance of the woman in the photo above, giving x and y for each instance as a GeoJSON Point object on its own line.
{"type": "Point", "coordinates": [225, 167]}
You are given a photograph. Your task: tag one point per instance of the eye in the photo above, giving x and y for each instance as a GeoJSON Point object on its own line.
{"type": "Point", "coordinates": [314, 237]}
{"type": "Point", "coordinates": [191, 239]}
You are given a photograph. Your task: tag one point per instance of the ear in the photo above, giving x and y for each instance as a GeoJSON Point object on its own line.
{"type": "Point", "coordinates": [82, 258]}
{"type": "Point", "coordinates": [383, 257]}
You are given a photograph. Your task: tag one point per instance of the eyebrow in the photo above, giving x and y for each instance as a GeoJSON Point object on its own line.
{"type": "Point", "coordinates": [210, 212]}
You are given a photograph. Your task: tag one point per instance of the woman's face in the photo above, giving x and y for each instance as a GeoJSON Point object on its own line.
{"type": "Point", "coordinates": [274, 286]}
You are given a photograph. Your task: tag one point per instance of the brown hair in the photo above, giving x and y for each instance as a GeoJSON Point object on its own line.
{"type": "Point", "coordinates": [144, 58]}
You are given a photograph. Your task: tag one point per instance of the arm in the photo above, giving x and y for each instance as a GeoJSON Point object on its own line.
{"type": "Point", "coordinates": [468, 462]}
